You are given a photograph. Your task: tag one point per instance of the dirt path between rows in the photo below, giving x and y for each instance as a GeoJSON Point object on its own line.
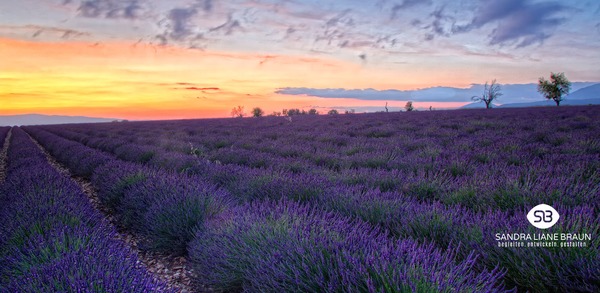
{"type": "Point", "coordinates": [4, 155]}
{"type": "Point", "coordinates": [172, 270]}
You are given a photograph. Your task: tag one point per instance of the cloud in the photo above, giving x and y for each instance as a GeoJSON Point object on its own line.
{"type": "Point", "coordinates": [512, 93]}
{"type": "Point", "coordinates": [335, 29]}
{"type": "Point", "coordinates": [193, 88]}
{"type": "Point", "coordinates": [361, 94]}
{"type": "Point", "coordinates": [180, 26]}
{"type": "Point", "coordinates": [405, 4]}
{"type": "Point", "coordinates": [38, 31]}
{"type": "Point", "coordinates": [190, 87]}
{"type": "Point", "coordinates": [440, 23]}
{"type": "Point", "coordinates": [350, 29]}
{"type": "Point", "coordinates": [177, 22]}
{"type": "Point", "coordinates": [440, 19]}
{"type": "Point", "coordinates": [128, 9]}
{"type": "Point", "coordinates": [343, 27]}
{"type": "Point", "coordinates": [519, 23]}
{"type": "Point", "coordinates": [206, 5]}
{"type": "Point", "coordinates": [193, 25]}
{"type": "Point", "coordinates": [227, 28]}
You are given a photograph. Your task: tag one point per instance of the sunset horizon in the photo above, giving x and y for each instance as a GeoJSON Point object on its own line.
{"type": "Point", "coordinates": [149, 60]}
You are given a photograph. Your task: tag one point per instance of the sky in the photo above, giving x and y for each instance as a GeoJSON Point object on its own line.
{"type": "Point", "coordinates": [158, 59]}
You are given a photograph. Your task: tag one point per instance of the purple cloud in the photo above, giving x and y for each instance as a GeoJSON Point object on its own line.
{"type": "Point", "coordinates": [520, 23]}
{"type": "Point", "coordinates": [128, 9]}
{"type": "Point", "coordinates": [440, 24]}
{"type": "Point", "coordinates": [180, 26]}
{"type": "Point", "coordinates": [230, 26]}
{"type": "Point", "coordinates": [405, 4]}
{"type": "Point", "coordinates": [186, 25]}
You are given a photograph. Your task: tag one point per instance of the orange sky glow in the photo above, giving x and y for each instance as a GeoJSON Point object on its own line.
{"type": "Point", "coordinates": [165, 59]}
{"type": "Point", "coordinates": [121, 80]}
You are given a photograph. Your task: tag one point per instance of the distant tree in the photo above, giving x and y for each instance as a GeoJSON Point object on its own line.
{"type": "Point", "coordinates": [257, 112]}
{"type": "Point", "coordinates": [332, 112]}
{"type": "Point", "coordinates": [490, 93]}
{"type": "Point", "coordinates": [313, 112]}
{"type": "Point", "coordinates": [238, 111]}
{"type": "Point", "coordinates": [351, 111]}
{"type": "Point", "coordinates": [555, 88]}
{"type": "Point", "coordinates": [275, 113]}
{"type": "Point", "coordinates": [292, 112]}
{"type": "Point", "coordinates": [409, 106]}
{"type": "Point", "coordinates": [284, 112]}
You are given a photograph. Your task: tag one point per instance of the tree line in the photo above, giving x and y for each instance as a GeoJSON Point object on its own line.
{"type": "Point", "coordinates": [238, 111]}
{"type": "Point", "coordinates": [555, 88]}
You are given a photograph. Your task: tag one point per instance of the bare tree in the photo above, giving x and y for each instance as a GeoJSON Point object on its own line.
{"type": "Point", "coordinates": [409, 106]}
{"type": "Point", "coordinates": [257, 112]}
{"type": "Point", "coordinates": [313, 112]}
{"type": "Point", "coordinates": [238, 111]}
{"type": "Point", "coordinates": [555, 88]}
{"type": "Point", "coordinates": [332, 112]}
{"type": "Point", "coordinates": [490, 93]}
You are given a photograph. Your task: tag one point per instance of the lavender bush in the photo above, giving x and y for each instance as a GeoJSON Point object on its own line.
{"type": "Point", "coordinates": [446, 179]}
{"type": "Point", "coordinates": [52, 239]}
{"type": "Point", "coordinates": [284, 247]}
{"type": "Point", "coordinates": [168, 209]}
{"type": "Point", "coordinates": [3, 132]}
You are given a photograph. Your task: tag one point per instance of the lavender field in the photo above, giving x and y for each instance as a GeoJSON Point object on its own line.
{"type": "Point", "coordinates": [382, 202]}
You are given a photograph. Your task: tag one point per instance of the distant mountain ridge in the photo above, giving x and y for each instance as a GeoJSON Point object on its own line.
{"type": "Point", "coordinates": [40, 119]}
{"type": "Point", "coordinates": [478, 105]}
{"type": "Point", "coordinates": [573, 102]}
{"type": "Point", "coordinates": [586, 96]}
{"type": "Point", "coordinates": [590, 92]}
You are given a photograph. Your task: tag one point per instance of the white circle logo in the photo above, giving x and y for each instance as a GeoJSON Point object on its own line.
{"type": "Point", "coordinates": [543, 216]}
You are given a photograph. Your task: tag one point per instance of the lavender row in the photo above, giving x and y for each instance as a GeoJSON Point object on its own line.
{"type": "Point", "coordinates": [404, 217]}
{"type": "Point", "coordinates": [52, 239]}
{"type": "Point", "coordinates": [288, 247]}
{"type": "Point", "coordinates": [453, 227]}
{"type": "Point", "coordinates": [134, 191]}
{"type": "Point", "coordinates": [453, 179]}
{"type": "Point", "coordinates": [162, 207]}
{"type": "Point", "coordinates": [369, 141]}
{"type": "Point", "coordinates": [3, 132]}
